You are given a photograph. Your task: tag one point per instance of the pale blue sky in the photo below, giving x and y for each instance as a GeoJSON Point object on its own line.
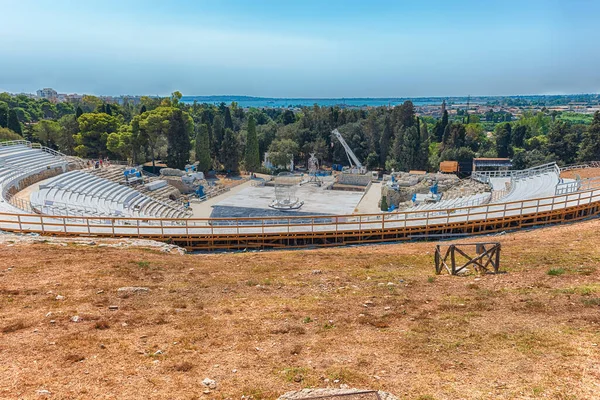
{"type": "Point", "coordinates": [325, 48]}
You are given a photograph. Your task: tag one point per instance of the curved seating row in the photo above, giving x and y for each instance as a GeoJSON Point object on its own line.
{"type": "Point", "coordinates": [79, 193]}
{"type": "Point", "coordinates": [17, 161]}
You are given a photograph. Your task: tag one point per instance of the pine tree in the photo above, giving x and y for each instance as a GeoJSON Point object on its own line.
{"type": "Point", "coordinates": [3, 115]}
{"type": "Point", "coordinates": [13, 122]}
{"type": "Point", "coordinates": [229, 151]}
{"type": "Point", "coordinates": [203, 149]}
{"type": "Point", "coordinates": [143, 109]}
{"type": "Point", "coordinates": [108, 109]}
{"type": "Point", "coordinates": [78, 112]}
{"type": "Point", "coordinates": [252, 159]}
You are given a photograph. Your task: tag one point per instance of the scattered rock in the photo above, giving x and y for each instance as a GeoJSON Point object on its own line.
{"type": "Point", "coordinates": [113, 308]}
{"type": "Point", "coordinates": [44, 392]}
{"type": "Point", "coordinates": [102, 346]}
{"type": "Point", "coordinates": [52, 321]}
{"type": "Point", "coordinates": [49, 314]}
{"type": "Point", "coordinates": [59, 297]}
{"type": "Point", "coordinates": [210, 383]}
{"type": "Point", "coordinates": [326, 393]}
{"type": "Point", "coordinates": [158, 352]}
{"type": "Point", "coordinates": [76, 318]}
{"type": "Point", "coordinates": [128, 290]}
{"type": "Point", "coordinates": [100, 291]}
{"type": "Point", "coordinates": [317, 272]}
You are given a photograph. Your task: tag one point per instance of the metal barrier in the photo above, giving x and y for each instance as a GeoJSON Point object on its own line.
{"type": "Point", "coordinates": [577, 185]}
{"type": "Point", "coordinates": [484, 176]}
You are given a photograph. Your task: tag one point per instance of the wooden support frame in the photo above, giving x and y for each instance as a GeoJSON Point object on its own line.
{"type": "Point", "coordinates": [486, 258]}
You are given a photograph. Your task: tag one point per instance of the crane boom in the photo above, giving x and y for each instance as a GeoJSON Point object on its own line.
{"type": "Point", "coordinates": [351, 156]}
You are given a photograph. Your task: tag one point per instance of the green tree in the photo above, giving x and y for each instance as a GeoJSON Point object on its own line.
{"type": "Point", "coordinates": [228, 122]}
{"type": "Point", "coordinates": [440, 127]}
{"type": "Point", "coordinates": [3, 114]}
{"type": "Point", "coordinates": [47, 132]}
{"type": "Point", "coordinates": [563, 142]}
{"type": "Point", "coordinates": [121, 143]}
{"type": "Point", "coordinates": [252, 157]}
{"type": "Point", "coordinates": [288, 117]}
{"type": "Point", "coordinates": [94, 131]}
{"type": "Point", "coordinates": [202, 149]}
{"type": "Point", "coordinates": [590, 145]}
{"type": "Point", "coordinates": [69, 128]}
{"type": "Point", "coordinates": [411, 147]}
{"type": "Point", "coordinates": [386, 140]}
{"type": "Point", "coordinates": [229, 151]}
{"type": "Point", "coordinates": [13, 122]}
{"type": "Point", "coordinates": [503, 139]}
{"type": "Point", "coordinates": [384, 204]}
{"type": "Point", "coordinates": [7, 134]}
{"type": "Point", "coordinates": [179, 131]}
{"type": "Point", "coordinates": [218, 133]}
{"type": "Point", "coordinates": [281, 151]}
{"type": "Point", "coordinates": [78, 112]}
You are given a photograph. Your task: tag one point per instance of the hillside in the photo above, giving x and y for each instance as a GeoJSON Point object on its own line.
{"type": "Point", "coordinates": [260, 324]}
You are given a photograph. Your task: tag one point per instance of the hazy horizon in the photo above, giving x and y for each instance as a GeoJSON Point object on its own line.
{"type": "Point", "coordinates": [310, 49]}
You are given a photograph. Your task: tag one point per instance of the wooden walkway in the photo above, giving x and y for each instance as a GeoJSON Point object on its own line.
{"type": "Point", "coordinates": [320, 231]}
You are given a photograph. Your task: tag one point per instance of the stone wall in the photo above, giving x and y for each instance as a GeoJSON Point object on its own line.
{"type": "Point", "coordinates": [409, 184]}
{"type": "Point", "coordinates": [31, 179]}
{"type": "Point", "coordinates": [353, 179]}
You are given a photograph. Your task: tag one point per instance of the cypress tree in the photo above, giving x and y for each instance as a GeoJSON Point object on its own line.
{"type": "Point", "coordinates": [108, 109]}
{"type": "Point", "coordinates": [229, 151]}
{"type": "Point", "coordinates": [203, 148]}
{"type": "Point", "coordinates": [217, 134]}
{"type": "Point", "coordinates": [143, 109]}
{"type": "Point", "coordinates": [385, 141]}
{"type": "Point", "coordinates": [228, 124]}
{"type": "Point", "coordinates": [384, 204]}
{"type": "Point", "coordinates": [3, 115]}
{"type": "Point", "coordinates": [13, 122]}
{"type": "Point", "coordinates": [446, 137]}
{"type": "Point", "coordinates": [424, 151]}
{"type": "Point", "coordinates": [78, 112]}
{"type": "Point", "coordinates": [503, 133]}
{"type": "Point", "coordinates": [178, 139]}
{"type": "Point", "coordinates": [252, 159]}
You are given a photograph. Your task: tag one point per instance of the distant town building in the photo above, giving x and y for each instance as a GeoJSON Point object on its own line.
{"type": "Point", "coordinates": [48, 93]}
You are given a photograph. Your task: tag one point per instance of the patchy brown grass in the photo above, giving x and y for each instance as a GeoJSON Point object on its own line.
{"type": "Point", "coordinates": [582, 173]}
{"type": "Point", "coordinates": [262, 323]}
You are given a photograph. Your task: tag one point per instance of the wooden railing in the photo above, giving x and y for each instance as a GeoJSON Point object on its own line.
{"type": "Point", "coordinates": [331, 230]}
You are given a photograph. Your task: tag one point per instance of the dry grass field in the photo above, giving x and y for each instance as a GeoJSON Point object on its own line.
{"type": "Point", "coordinates": [263, 323]}
{"type": "Point", "coordinates": [581, 173]}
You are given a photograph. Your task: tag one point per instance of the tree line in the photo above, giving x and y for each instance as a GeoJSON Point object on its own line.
{"type": "Point", "coordinates": [229, 138]}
